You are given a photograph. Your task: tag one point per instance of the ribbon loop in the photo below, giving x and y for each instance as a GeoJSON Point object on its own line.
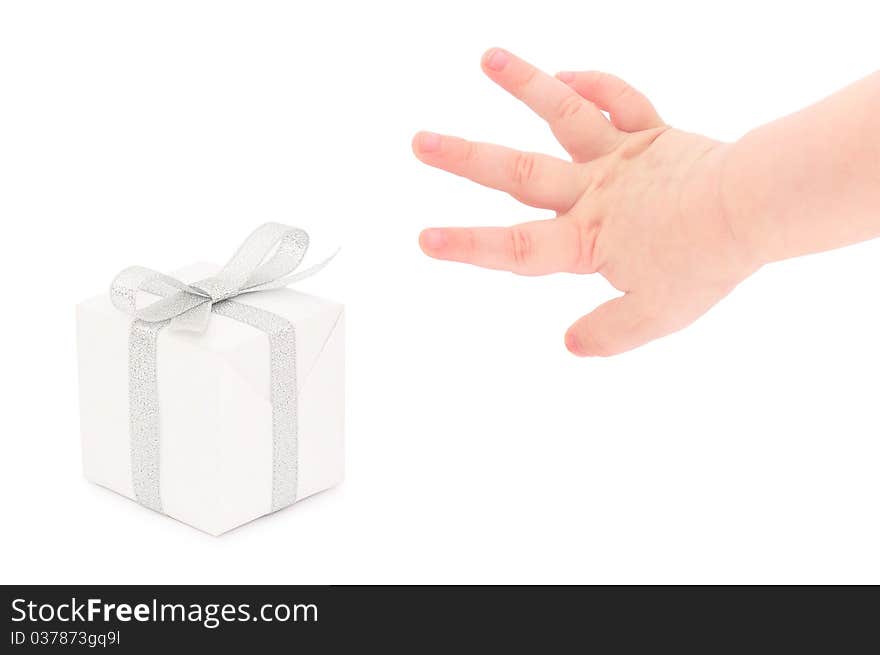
{"type": "Point", "coordinates": [188, 307]}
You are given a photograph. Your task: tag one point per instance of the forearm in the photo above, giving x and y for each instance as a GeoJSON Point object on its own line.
{"type": "Point", "coordinates": [810, 181]}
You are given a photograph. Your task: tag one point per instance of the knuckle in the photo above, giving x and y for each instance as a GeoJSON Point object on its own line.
{"type": "Point", "coordinates": [585, 248]}
{"type": "Point", "coordinates": [470, 152]}
{"type": "Point", "coordinates": [526, 79]}
{"type": "Point", "coordinates": [469, 243]}
{"type": "Point", "coordinates": [524, 168]}
{"type": "Point", "coordinates": [595, 179]}
{"type": "Point", "coordinates": [624, 93]}
{"type": "Point", "coordinates": [521, 247]}
{"type": "Point", "coordinates": [569, 107]}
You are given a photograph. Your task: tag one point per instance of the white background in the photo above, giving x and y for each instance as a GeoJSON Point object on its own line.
{"type": "Point", "coordinates": [744, 449]}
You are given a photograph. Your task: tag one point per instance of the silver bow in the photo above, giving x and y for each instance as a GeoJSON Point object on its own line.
{"type": "Point", "coordinates": [188, 306]}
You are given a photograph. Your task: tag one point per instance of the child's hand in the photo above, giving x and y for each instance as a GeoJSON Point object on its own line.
{"type": "Point", "coordinates": [640, 204]}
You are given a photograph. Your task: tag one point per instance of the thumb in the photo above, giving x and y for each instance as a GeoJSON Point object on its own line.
{"type": "Point", "coordinates": [615, 327]}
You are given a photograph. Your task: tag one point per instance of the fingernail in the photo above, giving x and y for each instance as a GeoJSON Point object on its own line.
{"type": "Point", "coordinates": [565, 76]}
{"type": "Point", "coordinates": [433, 239]}
{"type": "Point", "coordinates": [496, 59]}
{"type": "Point", "coordinates": [428, 142]}
{"type": "Point", "coordinates": [574, 345]}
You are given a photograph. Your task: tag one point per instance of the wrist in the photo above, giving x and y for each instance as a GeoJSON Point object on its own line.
{"type": "Point", "coordinates": [744, 206]}
{"type": "Point", "coordinates": [709, 195]}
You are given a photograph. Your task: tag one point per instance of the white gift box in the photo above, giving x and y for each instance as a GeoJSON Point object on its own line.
{"type": "Point", "coordinates": [215, 420]}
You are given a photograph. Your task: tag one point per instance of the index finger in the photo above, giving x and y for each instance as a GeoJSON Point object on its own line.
{"type": "Point", "coordinates": [576, 122]}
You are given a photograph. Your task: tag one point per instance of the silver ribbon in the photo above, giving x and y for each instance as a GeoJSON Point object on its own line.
{"type": "Point", "coordinates": [188, 307]}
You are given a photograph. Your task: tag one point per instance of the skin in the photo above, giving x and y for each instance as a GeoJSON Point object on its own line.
{"type": "Point", "coordinates": [673, 220]}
